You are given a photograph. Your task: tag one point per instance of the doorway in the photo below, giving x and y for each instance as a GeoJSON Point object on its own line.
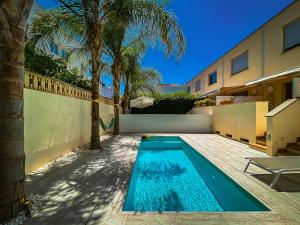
{"type": "Point", "coordinates": [288, 91]}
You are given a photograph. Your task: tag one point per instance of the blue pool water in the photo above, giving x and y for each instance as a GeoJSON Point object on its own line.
{"type": "Point", "coordinates": [169, 175]}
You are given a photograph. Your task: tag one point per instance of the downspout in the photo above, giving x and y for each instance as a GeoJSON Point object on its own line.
{"type": "Point", "coordinates": [262, 53]}
{"type": "Point", "coordinates": [223, 72]}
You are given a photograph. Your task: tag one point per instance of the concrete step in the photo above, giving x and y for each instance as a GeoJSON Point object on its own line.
{"type": "Point", "coordinates": [261, 148]}
{"type": "Point", "coordinates": [295, 146]}
{"type": "Point", "coordinates": [284, 152]}
{"type": "Point", "coordinates": [298, 141]}
{"type": "Point", "coordinates": [260, 137]}
{"type": "Point", "coordinates": [261, 141]}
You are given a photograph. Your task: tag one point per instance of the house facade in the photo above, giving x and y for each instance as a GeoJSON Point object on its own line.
{"type": "Point", "coordinates": [264, 64]}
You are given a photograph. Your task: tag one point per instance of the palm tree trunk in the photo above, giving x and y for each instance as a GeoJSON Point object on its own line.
{"type": "Point", "coordinates": [116, 72]}
{"type": "Point", "coordinates": [13, 16]}
{"type": "Point", "coordinates": [95, 143]}
{"type": "Point", "coordinates": [126, 95]}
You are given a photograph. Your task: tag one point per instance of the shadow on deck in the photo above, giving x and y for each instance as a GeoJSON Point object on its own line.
{"type": "Point", "coordinates": [79, 184]}
{"type": "Point", "coordinates": [286, 182]}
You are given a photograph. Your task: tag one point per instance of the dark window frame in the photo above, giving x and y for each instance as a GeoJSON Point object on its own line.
{"type": "Point", "coordinates": [199, 85]}
{"type": "Point", "coordinates": [232, 73]}
{"type": "Point", "coordinates": [283, 33]}
{"type": "Point", "coordinates": [209, 77]}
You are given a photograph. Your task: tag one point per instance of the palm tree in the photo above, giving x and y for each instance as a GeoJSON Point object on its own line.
{"type": "Point", "coordinates": [145, 82]}
{"type": "Point", "coordinates": [138, 81]}
{"type": "Point", "coordinates": [84, 21]}
{"type": "Point", "coordinates": [120, 47]}
{"type": "Point", "coordinates": [13, 17]}
{"type": "Point", "coordinates": [79, 22]}
{"type": "Point", "coordinates": [154, 23]}
{"type": "Point", "coordinates": [130, 69]}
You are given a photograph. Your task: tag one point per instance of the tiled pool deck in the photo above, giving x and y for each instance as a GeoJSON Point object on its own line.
{"type": "Point", "coordinates": [90, 189]}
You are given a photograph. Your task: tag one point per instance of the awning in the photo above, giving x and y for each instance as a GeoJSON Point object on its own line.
{"type": "Point", "coordinates": [277, 75]}
{"type": "Point", "coordinates": [231, 89]}
{"type": "Point", "coordinates": [141, 102]}
{"type": "Point", "coordinates": [210, 94]}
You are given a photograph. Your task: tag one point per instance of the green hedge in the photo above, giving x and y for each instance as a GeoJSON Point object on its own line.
{"type": "Point", "coordinates": [38, 61]}
{"type": "Point", "coordinates": [178, 103]}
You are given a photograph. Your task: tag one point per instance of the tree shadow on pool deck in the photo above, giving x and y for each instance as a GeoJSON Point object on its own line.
{"type": "Point", "coordinates": [286, 182]}
{"type": "Point", "coordinates": [78, 184]}
{"type": "Point", "coordinates": [172, 202]}
{"type": "Point", "coordinates": [160, 170]}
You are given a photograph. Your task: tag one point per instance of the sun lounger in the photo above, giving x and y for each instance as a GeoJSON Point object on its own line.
{"type": "Point", "coordinates": [276, 165]}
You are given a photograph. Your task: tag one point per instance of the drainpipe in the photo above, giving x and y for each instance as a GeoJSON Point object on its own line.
{"type": "Point", "coordinates": [223, 72]}
{"type": "Point", "coordinates": [262, 52]}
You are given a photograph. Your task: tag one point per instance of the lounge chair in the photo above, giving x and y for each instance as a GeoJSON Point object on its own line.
{"type": "Point", "coordinates": [276, 165]}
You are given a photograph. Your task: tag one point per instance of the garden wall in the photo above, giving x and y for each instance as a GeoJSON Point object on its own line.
{"type": "Point", "coordinates": [56, 123]}
{"type": "Point", "coordinates": [169, 123]}
{"type": "Point", "coordinates": [283, 125]}
{"type": "Point", "coordinates": [242, 121]}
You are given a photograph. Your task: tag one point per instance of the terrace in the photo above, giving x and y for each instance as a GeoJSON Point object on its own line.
{"type": "Point", "coordinates": [82, 188]}
{"type": "Point", "coordinates": [95, 137]}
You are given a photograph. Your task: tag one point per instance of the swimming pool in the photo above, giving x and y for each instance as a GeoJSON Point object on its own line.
{"type": "Point", "coordinates": [169, 175]}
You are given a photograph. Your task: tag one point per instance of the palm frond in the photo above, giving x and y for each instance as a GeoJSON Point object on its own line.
{"type": "Point", "coordinates": [158, 23]}
{"type": "Point", "coordinates": [55, 23]}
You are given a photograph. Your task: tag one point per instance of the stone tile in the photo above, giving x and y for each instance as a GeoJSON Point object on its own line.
{"type": "Point", "coordinates": [90, 189]}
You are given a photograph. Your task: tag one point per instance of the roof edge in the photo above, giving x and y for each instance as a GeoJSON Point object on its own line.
{"type": "Point", "coordinates": [260, 27]}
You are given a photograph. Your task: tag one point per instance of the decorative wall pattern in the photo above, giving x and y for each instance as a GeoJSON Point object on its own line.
{"type": "Point", "coordinates": [47, 84]}
{"type": "Point", "coordinates": [38, 82]}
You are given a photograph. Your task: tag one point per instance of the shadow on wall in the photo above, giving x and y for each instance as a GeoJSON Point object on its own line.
{"type": "Point", "coordinates": [54, 125]}
{"type": "Point", "coordinates": [79, 187]}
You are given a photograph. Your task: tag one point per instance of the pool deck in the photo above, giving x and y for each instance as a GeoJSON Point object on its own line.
{"type": "Point", "coordinates": [90, 188]}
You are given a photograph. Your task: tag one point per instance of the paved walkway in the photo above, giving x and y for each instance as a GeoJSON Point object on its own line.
{"type": "Point", "coordinates": [90, 189]}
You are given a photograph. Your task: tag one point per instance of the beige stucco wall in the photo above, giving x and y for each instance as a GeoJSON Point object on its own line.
{"type": "Point", "coordinates": [265, 53]}
{"type": "Point", "coordinates": [55, 124]}
{"type": "Point", "coordinates": [205, 88]}
{"type": "Point", "coordinates": [283, 126]}
{"type": "Point", "coordinates": [164, 123]}
{"type": "Point", "coordinates": [244, 120]}
{"type": "Point", "coordinates": [262, 109]}
{"type": "Point", "coordinates": [275, 59]}
{"type": "Point", "coordinates": [252, 44]}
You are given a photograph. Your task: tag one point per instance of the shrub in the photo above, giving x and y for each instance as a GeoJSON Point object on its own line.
{"type": "Point", "coordinates": [206, 102]}
{"type": "Point", "coordinates": [178, 103]}
{"type": "Point", "coordinates": [42, 63]}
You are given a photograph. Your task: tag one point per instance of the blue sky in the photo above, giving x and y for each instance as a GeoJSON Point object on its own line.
{"type": "Point", "coordinates": [211, 27]}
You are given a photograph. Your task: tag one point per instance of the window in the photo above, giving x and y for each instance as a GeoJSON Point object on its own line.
{"type": "Point", "coordinates": [239, 63]}
{"type": "Point", "coordinates": [198, 85]}
{"type": "Point", "coordinates": [291, 34]}
{"type": "Point", "coordinates": [212, 78]}
{"type": "Point", "coordinates": [188, 89]}
{"type": "Point", "coordinates": [54, 48]}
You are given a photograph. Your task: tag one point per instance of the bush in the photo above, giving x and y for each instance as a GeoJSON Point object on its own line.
{"type": "Point", "coordinates": [72, 77]}
{"type": "Point", "coordinates": [42, 63]}
{"type": "Point", "coordinates": [206, 102]}
{"type": "Point", "coordinates": [178, 103]}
